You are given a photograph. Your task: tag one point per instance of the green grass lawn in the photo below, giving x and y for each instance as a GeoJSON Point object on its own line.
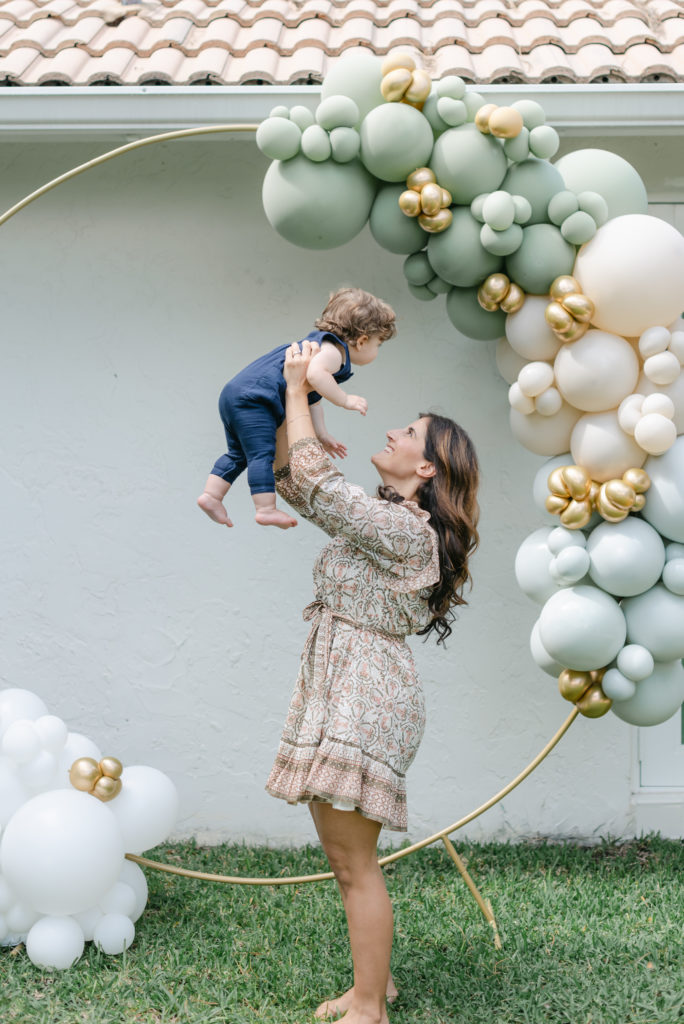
{"type": "Point", "coordinates": [590, 936]}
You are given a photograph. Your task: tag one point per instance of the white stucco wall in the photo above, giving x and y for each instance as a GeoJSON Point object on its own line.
{"type": "Point", "coordinates": [130, 296]}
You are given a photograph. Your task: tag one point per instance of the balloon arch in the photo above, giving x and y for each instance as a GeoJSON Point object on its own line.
{"type": "Point", "coordinates": [560, 266]}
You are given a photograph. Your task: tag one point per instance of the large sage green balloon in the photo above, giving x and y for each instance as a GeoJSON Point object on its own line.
{"type": "Point", "coordinates": [468, 316]}
{"type": "Point", "coordinates": [457, 254]}
{"type": "Point", "coordinates": [538, 182]}
{"type": "Point", "coordinates": [598, 170]}
{"type": "Point", "coordinates": [355, 73]}
{"type": "Point", "coordinates": [395, 140]}
{"type": "Point", "coordinates": [468, 163]}
{"type": "Point", "coordinates": [391, 228]}
{"type": "Point", "coordinates": [317, 206]}
{"type": "Point", "coordinates": [542, 257]}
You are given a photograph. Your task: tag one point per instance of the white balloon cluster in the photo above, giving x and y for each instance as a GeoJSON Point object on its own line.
{"type": "Point", "coordinates": [64, 879]}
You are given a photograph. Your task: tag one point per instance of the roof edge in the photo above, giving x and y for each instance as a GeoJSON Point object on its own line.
{"type": "Point", "coordinates": [136, 111]}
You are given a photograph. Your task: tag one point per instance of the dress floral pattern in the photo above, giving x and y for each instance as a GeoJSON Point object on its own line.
{"type": "Point", "coordinates": [357, 714]}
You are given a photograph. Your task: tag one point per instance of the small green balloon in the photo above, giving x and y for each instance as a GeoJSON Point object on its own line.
{"type": "Point", "coordinates": [562, 205]}
{"type": "Point", "coordinates": [531, 112]}
{"type": "Point", "coordinates": [477, 207]}
{"type": "Point", "coordinates": [542, 257]}
{"type": "Point", "coordinates": [337, 112]}
{"type": "Point", "coordinates": [518, 149]}
{"type": "Point", "coordinates": [278, 138]}
{"type": "Point", "coordinates": [345, 144]}
{"type": "Point", "coordinates": [316, 143]}
{"type": "Point", "coordinates": [280, 111]}
{"type": "Point", "coordinates": [538, 182]}
{"type": "Point", "coordinates": [417, 269]}
{"type": "Point", "coordinates": [467, 163]}
{"type": "Point", "coordinates": [301, 116]}
{"type": "Point", "coordinates": [523, 210]}
{"type": "Point", "coordinates": [473, 102]}
{"type": "Point", "coordinates": [395, 140]}
{"type": "Point", "coordinates": [579, 228]}
{"type": "Point", "coordinates": [421, 292]}
{"type": "Point", "coordinates": [391, 228]}
{"type": "Point", "coordinates": [595, 205]}
{"type": "Point", "coordinates": [498, 210]}
{"type": "Point", "coordinates": [544, 141]}
{"type": "Point", "coordinates": [356, 73]}
{"type": "Point", "coordinates": [457, 254]}
{"type": "Point", "coordinates": [501, 243]}
{"type": "Point", "coordinates": [454, 112]}
{"type": "Point", "coordinates": [451, 85]}
{"type": "Point", "coordinates": [598, 170]}
{"type": "Point", "coordinates": [468, 316]}
{"type": "Point", "coordinates": [438, 286]}
{"type": "Point", "coordinates": [431, 113]}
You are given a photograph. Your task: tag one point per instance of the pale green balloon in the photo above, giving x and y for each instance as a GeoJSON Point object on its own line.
{"type": "Point", "coordinates": [454, 112]}
{"type": "Point", "coordinates": [417, 269]}
{"type": "Point", "coordinates": [391, 228]}
{"type": "Point", "coordinates": [538, 182]}
{"type": "Point", "coordinates": [356, 73]}
{"type": "Point", "coordinates": [544, 141]}
{"type": "Point", "coordinates": [542, 257]}
{"type": "Point", "coordinates": [451, 85]}
{"type": "Point", "coordinates": [438, 286]}
{"type": "Point", "coordinates": [278, 138]}
{"type": "Point", "coordinates": [431, 112]}
{"type": "Point", "coordinates": [598, 170]}
{"type": "Point", "coordinates": [579, 228]}
{"type": "Point", "coordinates": [595, 205]}
{"type": "Point", "coordinates": [498, 210]}
{"type": "Point", "coordinates": [467, 163]}
{"type": "Point", "coordinates": [421, 292]}
{"type": "Point", "coordinates": [477, 207]}
{"type": "Point", "coordinates": [531, 112]}
{"type": "Point", "coordinates": [473, 102]}
{"type": "Point", "coordinates": [337, 112]}
{"type": "Point", "coordinates": [316, 143]}
{"type": "Point", "coordinates": [301, 116]}
{"type": "Point", "coordinates": [395, 140]}
{"type": "Point", "coordinates": [562, 205]}
{"type": "Point", "coordinates": [317, 206]}
{"type": "Point", "coordinates": [280, 111]}
{"type": "Point", "coordinates": [501, 243]}
{"type": "Point", "coordinates": [468, 316]}
{"type": "Point", "coordinates": [523, 209]}
{"type": "Point", "coordinates": [345, 144]}
{"type": "Point", "coordinates": [518, 149]}
{"type": "Point", "coordinates": [457, 254]}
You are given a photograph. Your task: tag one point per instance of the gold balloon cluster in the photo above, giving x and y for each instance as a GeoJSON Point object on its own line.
{"type": "Point", "coordinates": [583, 689]}
{"type": "Point", "coordinates": [102, 779]}
{"type": "Point", "coordinates": [574, 495]}
{"type": "Point", "coordinates": [426, 200]}
{"type": "Point", "coordinates": [570, 313]}
{"type": "Point", "coordinates": [498, 292]}
{"type": "Point", "coordinates": [403, 82]}
{"type": "Point", "coordinates": [502, 122]}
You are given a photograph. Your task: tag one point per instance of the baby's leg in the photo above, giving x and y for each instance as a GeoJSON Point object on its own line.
{"type": "Point", "coordinates": [268, 515]}
{"type": "Point", "coordinates": [259, 445]}
{"type": "Point", "coordinates": [211, 499]}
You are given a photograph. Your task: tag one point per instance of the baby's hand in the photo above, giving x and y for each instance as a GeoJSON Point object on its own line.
{"type": "Point", "coordinates": [333, 447]}
{"type": "Point", "coordinates": [356, 403]}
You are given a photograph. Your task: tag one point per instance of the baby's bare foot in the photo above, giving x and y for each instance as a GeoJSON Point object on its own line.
{"type": "Point", "coordinates": [334, 1008]}
{"type": "Point", "coordinates": [214, 509]}
{"type": "Point", "coordinates": [274, 517]}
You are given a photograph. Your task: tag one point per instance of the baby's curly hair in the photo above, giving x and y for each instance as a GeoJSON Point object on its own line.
{"type": "Point", "coordinates": [352, 312]}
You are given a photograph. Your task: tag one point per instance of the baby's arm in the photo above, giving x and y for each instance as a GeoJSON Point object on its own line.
{"type": "Point", "coordinates": [320, 377]}
{"type": "Point", "coordinates": [332, 446]}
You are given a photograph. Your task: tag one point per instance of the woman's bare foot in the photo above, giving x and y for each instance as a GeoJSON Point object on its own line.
{"type": "Point", "coordinates": [274, 517]}
{"type": "Point", "coordinates": [214, 509]}
{"type": "Point", "coordinates": [334, 1008]}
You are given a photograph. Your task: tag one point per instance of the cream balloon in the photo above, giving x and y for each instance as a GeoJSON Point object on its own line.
{"type": "Point", "coordinates": [596, 372]}
{"type": "Point", "coordinates": [601, 447]}
{"type": "Point", "coordinates": [509, 362]}
{"type": "Point", "coordinates": [546, 435]}
{"type": "Point", "coordinates": [633, 272]}
{"type": "Point", "coordinates": [674, 391]}
{"type": "Point", "coordinates": [528, 332]}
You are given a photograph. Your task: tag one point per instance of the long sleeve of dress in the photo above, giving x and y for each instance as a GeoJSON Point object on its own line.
{"type": "Point", "coordinates": [397, 538]}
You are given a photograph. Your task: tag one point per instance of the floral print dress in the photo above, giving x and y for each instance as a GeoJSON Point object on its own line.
{"type": "Point", "coordinates": [357, 713]}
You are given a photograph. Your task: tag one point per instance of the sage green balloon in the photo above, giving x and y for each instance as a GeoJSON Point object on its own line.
{"type": "Point", "coordinates": [538, 182]}
{"type": "Point", "coordinates": [417, 269]}
{"type": "Point", "coordinates": [356, 73]}
{"type": "Point", "coordinates": [467, 163]}
{"type": "Point", "coordinates": [498, 210]}
{"type": "Point", "coordinates": [451, 85]}
{"type": "Point", "coordinates": [432, 114]}
{"type": "Point", "coordinates": [301, 116]}
{"type": "Point", "coordinates": [595, 205]}
{"type": "Point", "coordinates": [473, 102]}
{"type": "Point", "coordinates": [395, 140]}
{"type": "Point", "coordinates": [438, 286]}
{"type": "Point", "coordinates": [278, 138]}
{"type": "Point", "coordinates": [562, 205]}
{"type": "Point", "coordinates": [468, 316]}
{"type": "Point", "coordinates": [421, 292]}
{"type": "Point", "coordinates": [518, 149]}
{"type": "Point", "coordinates": [542, 257]}
{"type": "Point", "coordinates": [391, 228]}
{"type": "Point", "coordinates": [337, 112]}
{"type": "Point", "coordinates": [501, 243]}
{"type": "Point", "coordinates": [316, 143]}
{"type": "Point", "coordinates": [457, 254]}
{"type": "Point", "coordinates": [317, 206]}
{"type": "Point", "coordinates": [598, 170]}
{"type": "Point", "coordinates": [531, 112]}
{"type": "Point", "coordinates": [454, 112]}
{"type": "Point", "coordinates": [345, 144]}
{"type": "Point", "coordinates": [579, 228]}
{"type": "Point", "coordinates": [544, 141]}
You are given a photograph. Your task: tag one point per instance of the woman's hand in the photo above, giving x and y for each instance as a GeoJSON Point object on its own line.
{"type": "Point", "coordinates": [297, 359]}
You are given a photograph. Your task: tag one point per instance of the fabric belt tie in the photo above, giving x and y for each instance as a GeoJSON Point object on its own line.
{"type": "Point", "coordinates": [321, 618]}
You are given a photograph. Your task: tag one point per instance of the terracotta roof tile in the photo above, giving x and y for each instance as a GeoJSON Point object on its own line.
{"type": "Point", "coordinates": [286, 41]}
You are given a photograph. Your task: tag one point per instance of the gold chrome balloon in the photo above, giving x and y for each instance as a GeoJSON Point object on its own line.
{"type": "Point", "coordinates": [426, 200]}
{"type": "Point", "coordinates": [431, 198]}
{"type": "Point", "coordinates": [572, 684]}
{"type": "Point", "coordinates": [570, 496]}
{"type": "Point", "coordinates": [564, 285]}
{"type": "Point", "coordinates": [593, 703]}
{"type": "Point", "coordinates": [576, 514]}
{"type": "Point", "coordinates": [447, 198]}
{"type": "Point", "coordinates": [419, 88]}
{"type": "Point", "coordinates": [557, 317]}
{"type": "Point", "coordinates": [421, 176]}
{"type": "Point", "coordinates": [513, 300]}
{"type": "Point", "coordinates": [409, 203]}
{"type": "Point", "coordinates": [579, 306]}
{"type": "Point", "coordinates": [638, 479]}
{"type": "Point", "coordinates": [505, 123]}
{"type": "Point", "coordinates": [395, 83]}
{"type": "Point", "coordinates": [496, 287]}
{"type": "Point", "coordinates": [569, 313]}
{"type": "Point", "coordinates": [111, 766]}
{"type": "Point", "coordinates": [84, 773]}
{"type": "Point", "coordinates": [106, 788]}
{"type": "Point", "coordinates": [437, 222]}
{"type": "Point", "coordinates": [498, 292]}
{"type": "Point", "coordinates": [619, 493]}
{"type": "Point", "coordinates": [397, 60]}
{"type": "Point", "coordinates": [482, 117]}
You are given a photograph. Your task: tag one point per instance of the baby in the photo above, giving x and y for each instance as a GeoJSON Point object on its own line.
{"type": "Point", "coordinates": [350, 331]}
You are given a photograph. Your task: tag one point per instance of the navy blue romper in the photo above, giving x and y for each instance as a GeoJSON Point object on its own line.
{"type": "Point", "coordinates": [252, 407]}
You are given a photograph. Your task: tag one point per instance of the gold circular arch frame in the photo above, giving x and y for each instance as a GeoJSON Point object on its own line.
{"type": "Point", "coordinates": [444, 833]}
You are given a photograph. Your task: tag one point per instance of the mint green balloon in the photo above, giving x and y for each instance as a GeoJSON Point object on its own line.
{"type": "Point", "coordinates": [391, 228]}
{"type": "Point", "coordinates": [595, 205]}
{"type": "Point", "coordinates": [457, 254]}
{"type": "Point", "coordinates": [531, 112]}
{"type": "Point", "coordinates": [598, 170]}
{"type": "Point", "coordinates": [337, 112]}
{"type": "Point", "coordinates": [395, 140]}
{"type": "Point", "coordinates": [467, 163]}
{"type": "Point", "coordinates": [356, 73]}
{"type": "Point", "coordinates": [431, 112]}
{"type": "Point", "coordinates": [544, 141]}
{"type": "Point", "coordinates": [417, 269]}
{"type": "Point", "coordinates": [542, 257]}
{"type": "Point", "coordinates": [468, 316]}
{"type": "Point", "coordinates": [518, 149]}
{"type": "Point", "coordinates": [316, 143]}
{"type": "Point", "coordinates": [538, 182]}
{"type": "Point", "coordinates": [317, 206]}
{"type": "Point", "coordinates": [345, 144]}
{"type": "Point", "coordinates": [451, 85]}
{"type": "Point", "coordinates": [579, 228]}
{"type": "Point", "coordinates": [473, 102]}
{"type": "Point", "coordinates": [301, 116]}
{"type": "Point", "coordinates": [501, 243]}
{"type": "Point", "coordinates": [562, 205]}
{"type": "Point", "coordinates": [454, 112]}
{"type": "Point", "coordinates": [278, 138]}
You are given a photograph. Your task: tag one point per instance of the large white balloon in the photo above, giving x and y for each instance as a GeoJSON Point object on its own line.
{"type": "Point", "coordinates": [528, 332]}
{"type": "Point", "coordinates": [582, 627]}
{"type": "Point", "coordinates": [627, 558]}
{"type": "Point", "coordinates": [596, 372]}
{"type": "Point", "coordinates": [13, 791]}
{"type": "Point", "coordinates": [600, 446]}
{"type": "Point", "coordinates": [146, 808]}
{"type": "Point", "coordinates": [16, 703]}
{"type": "Point", "coordinates": [55, 942]}
{"type": "Point", "coordinates": [657, 698]}
{"type": "Point", "coordinates": [656, 621]}
{"type": "Point", "coordinates": [633, 272]}
{"type": "Point", "coordinates": [76, 746]}
{"type": "Point", "coordinates": [665, 497]}
{"type": "Point", "coordinates": [532, 566]}
{"type": "Point", "coordinates": [545, 435]}
{"type": "Point", "coordinates": [61, 852]}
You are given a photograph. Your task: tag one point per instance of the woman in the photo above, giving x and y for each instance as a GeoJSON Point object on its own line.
{"type": "Point", "coordinates": [395, 566]}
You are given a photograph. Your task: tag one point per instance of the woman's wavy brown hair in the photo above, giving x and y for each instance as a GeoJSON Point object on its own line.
{"type": "Point", "coordinates": [352, 312]}
{"type": "Point", "coordinates": [450, 496]}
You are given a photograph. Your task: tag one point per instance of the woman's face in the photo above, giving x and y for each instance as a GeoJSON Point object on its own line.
{"type": "Point", "coordinates": [404, 452]}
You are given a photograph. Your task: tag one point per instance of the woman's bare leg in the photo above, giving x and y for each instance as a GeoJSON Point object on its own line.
{"type": "Point", "coordinates": [350, 843]}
